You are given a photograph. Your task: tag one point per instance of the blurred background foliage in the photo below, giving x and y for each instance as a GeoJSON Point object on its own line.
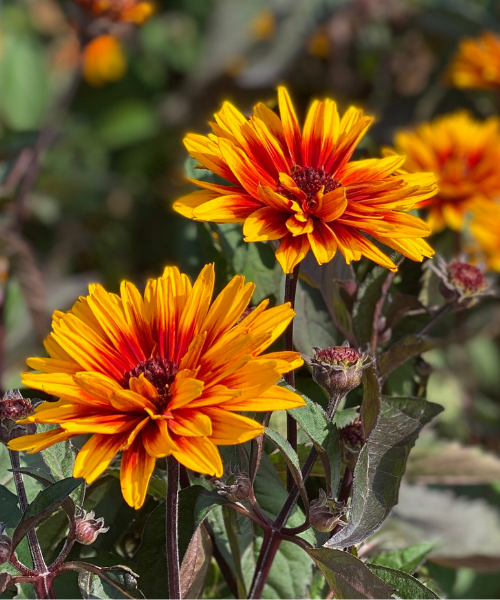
{"type": "Point", "coordinates": [111, 162]}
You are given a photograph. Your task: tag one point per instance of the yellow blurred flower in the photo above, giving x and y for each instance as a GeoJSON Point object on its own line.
{"type": "Point", "coordinates": [160, 374]}
{"type": "Point", "coordinates": [476, 63]}
{"type": "Point", "coordinates": [136, 11]}
{"type": "Point", "coordinates": [300, 187]}
{"type": "Point", "coordinates": [263, 25]}
{"type": "Point", "coordinates": [103, 60]}
{"type": "Point", "coordinates": [464, 153]}
{"type": "Point", "coordinates": [485, 228]}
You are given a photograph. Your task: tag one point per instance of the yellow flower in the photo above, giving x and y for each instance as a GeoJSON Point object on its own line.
{"type": "Point", "coordinates": [158, 375]}
{"type": "Point", "coordinates": [477, 63]}
{"type": "Point", "coordinates": [485, 228]}
{"type": "Point", "coordinates": [136, 11]}
{"type": "Point", "coordinates": [464, 154]}
{"type": "Point", "coordinates": [301, 187]}
{"type": "Point", "coordinates": [103, 60]}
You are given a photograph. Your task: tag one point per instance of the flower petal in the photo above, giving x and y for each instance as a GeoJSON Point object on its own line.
{"type": "Point", "coordinates": [199, 454]}
{"type": "Point", "coordinates": [135, 473]}
{"type": "Point", "coordinates": [291, 251]}
{"type": "Point", "coordinates": [228, 428]}
{"type": "Point", "coordinates": [265, 224]}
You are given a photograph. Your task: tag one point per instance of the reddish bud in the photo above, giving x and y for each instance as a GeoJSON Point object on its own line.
{"type": "Point", "coordinates": [352, 440]}
{"type": "Point", "coordinates": [5, 547]}
{"type": "Point", "coordinates": [88, 528]}
{"type": "Point", "coordinates": [235, 486]}
{"type": "Point", "coordinates": [14, 407]}
{"type": "Point", "coordinates": [460, 282]}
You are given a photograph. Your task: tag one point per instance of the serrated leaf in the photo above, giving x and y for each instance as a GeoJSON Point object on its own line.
{"type": "Point", "coordinates": [324, 434]}
{"type": "Point", "coordinates": [406, 586]}
{"type": "Point", "coordinates": [407, 559]}
{"type": "Point", "coordinates": [291, 459]}
{"type": "Point", "coordinates": [381, 465]}
{"type": "Point", "coordinates": [348, 576]}
{"type": "Point", "coordinates": [45, 503]}
{"type": "Point", "coordinates": [372, 395]}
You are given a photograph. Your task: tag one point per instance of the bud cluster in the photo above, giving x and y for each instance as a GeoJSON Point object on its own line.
{"type": "Point", "coordinates": [326, 513]}
{"type": "Point", "coordinates": [235, 484]}
{"type": "Point", "coordinates": [14, 407]}
{"type": "Point", "coordinates": [338, 369]}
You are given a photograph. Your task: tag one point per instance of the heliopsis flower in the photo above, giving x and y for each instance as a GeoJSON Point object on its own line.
{"type": "Point", "coordinates": [103, 60]}
{"type": "Point", "coordinates": [485, 228]}
{"type": "Point", "coordinates": [136, 11]}
{"type": "Point", "coordinates": [301, 187]}
{"type": "Point", "coordinates": [162, 374]}
{"type": "Point", "coordinates": [464, 154]}
{"type": "Point", "coordinates": [477, 63]}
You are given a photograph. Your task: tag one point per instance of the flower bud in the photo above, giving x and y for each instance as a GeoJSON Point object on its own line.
{"type": "Point", "coordinates": [5, 547]}
{"type": "Point", "coordinates": [352, 439]}
{"type": "Point", "coordinates": [14, 407]}
{"type": "Point", "coordinates": [460, 282]}
{"type": "Point", "coordinates": [338, 369]}
{"type": "Point", "coordinates": [326, 513]}
{"type": "Point", "coordinates": [88, 528]}
{"type": "Point", "coordinates": [235, 486]}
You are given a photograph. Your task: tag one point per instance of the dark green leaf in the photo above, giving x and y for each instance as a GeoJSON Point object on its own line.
{"type": "Point", "coordinates": [406, 586]}
{"type": "Point", "coordinates": [194, 567]}
{"type": "Point", "coordinates": [399, 307]}
{"type": "Point", "coordinates": [10, 513]}
{"type": "Point", "coordinates": [369, 293]}
{"type": "Point", "coordinates": [313, 420]}
{"type": "Point", "coordinates": [409, 347]}
{"type": "Point", "coordinates": [348, 576]}
{"type": "Point", "coordinates": [407, 560]}
{"type": "Point", "coordinates": [381, 465]}
{"type": "Point", "coordinates": [45, 503]}
{"type": "Point", "coordinates": [292, 460]}
{"type": "Point", "coordinates": [370, 408]}
{"type": "Point", "coordinates": [116, 582]}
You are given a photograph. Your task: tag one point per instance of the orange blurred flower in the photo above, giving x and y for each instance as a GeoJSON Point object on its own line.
{"type": "Point", "coordinates": [103, 60]}
{"type": "Point", "coordinates": [476, 63]}
{"type": "Point", "coordinates": [485, 228]}
{"type": "Point", "coordinates": [464, 154]}
{"type": "Point", "coordinates": [136, 11]}
{"type": "Point", "coordinates": [158, 375]}
{"type": "Point", "coordinates": [302, 189]}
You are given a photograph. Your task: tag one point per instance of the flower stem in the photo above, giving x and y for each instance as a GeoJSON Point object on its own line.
{"type": "Point", "coordinates": [34, 545]}
{"type": "Point", "coordinates": [172, 506]}
{"type": "Point", "coordinates": [291, 424]}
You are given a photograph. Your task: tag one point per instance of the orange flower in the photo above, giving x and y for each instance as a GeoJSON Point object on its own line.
{"type": "Point", "coordinates": [103, 60]}
{"type": "Point", "coordinates": [485, 228]}
{"type": "Point", "coordinates": [159, 375]}
{"type": "Point", "coordinates": [464, 154]}
{"type": "Point", "coordinates": [301, 189]}
{"type": "Point", "coordinates": [135, 11]}
{"type": "Point", "coordinates": [477, 63]}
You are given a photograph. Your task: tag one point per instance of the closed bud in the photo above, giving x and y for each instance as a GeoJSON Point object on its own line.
{"type": "Point", "coordinates": [338, 369]}
{"type": "Point", "coordinates": [235, 485]}
{"type": "Point", "coordinates": [88, 528]}
{"type": "Point", "coordinates": [326, 513]}
{"type": "Point", "coordinates": [5, 546]}
{"type": "Point", "coordinates": [352, 440]}
{"type": "Point", "coordinates": [14, 407]}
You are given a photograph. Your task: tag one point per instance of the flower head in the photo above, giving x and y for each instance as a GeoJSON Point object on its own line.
{"type": "Point", "coordinates": [338, 369]}
{"type": "Point", "coordinates": [135, 11]}
{"type": "Point", "coordinates": [464, 154]}
{"type": "Point", "coordinates": [461, 282]}
{"type": "Point", "coordinates": [103, 60]}
{"type": "Point", "coordinates": [158, 375]}
{"type": "Point", "coordinates": [13, 407]}
{"type": "Point", "coordinates": [87, 527]}
{"type": "Point", "coordinates": [302, 189]}
{"type": "Point", "coordinates": [477, 63]}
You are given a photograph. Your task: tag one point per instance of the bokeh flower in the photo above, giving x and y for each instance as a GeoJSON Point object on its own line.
{"type": "Point", "coordinates": [477, 63]}
{"type": "Point", "coordinates": [302, 188]}
{"type": "Point", "coordinates": [135, 11]}
{"type": "Point", "coordinates": [464, 153]}
{"type": "Point", "coordinates": [158, 375]}
{"type": "Point", "coordinates": [485, 229]}
{"type": "Point", "coordinates": [103, 60]}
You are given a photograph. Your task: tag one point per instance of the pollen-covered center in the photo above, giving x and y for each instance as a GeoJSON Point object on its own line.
{"type": "Point", "coordinates": [160, 372]}
{"type": "Point", "coordinates": [310, 180]}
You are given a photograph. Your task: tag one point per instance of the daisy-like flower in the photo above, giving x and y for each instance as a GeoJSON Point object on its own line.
{"type": "Point", "coordinates": [162, 374]}
{"type": "Point", "coordinates": [301, 188]}
{"type": "Point", "coordinates": [464, 154]}
{"type": "Point", "coordinates": [135, 11]}
{"type": "Point", "coordinates": [485, 228]}
{"type": "Point", "coordinates": [103, 60]}
{"type": "Point", "coordinates": [477, 63]}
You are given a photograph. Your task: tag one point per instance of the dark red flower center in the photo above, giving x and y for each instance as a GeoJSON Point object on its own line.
{"type": "Point", "coordinates": [338, 354]}
{"type": "Point", "coordinates": [160, 372]}
{"type": "Point", "coordinates": [310, 180]}
{"type": "Point", "coordinates": [352, 434]}
{"type": "Point", "coordinates": [467, 278]}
